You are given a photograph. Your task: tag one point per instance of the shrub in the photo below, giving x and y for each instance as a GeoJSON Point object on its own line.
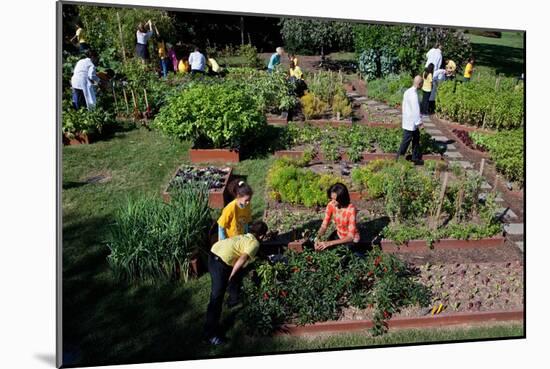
{"type": "Point", "coordinates": [506, 148]}
{"type": "Point", "coordinates": [315, 286]}
{"type": "Point", "coordinates": [84, 121]}
{"type": "Point", "coordinates": [313, 106]}
{"type": "Point", "coordinates": [217, 115]}
{"type": "Point", "coordinates": [389, 89]}
{"type": "Point", "coordinates": [150, 240]}
{"type": "Point", "coordinates": [484, 102]}
{"type": "Point", "coordinates": [273, 91]}
{"type": "Point", "coordinates": [341, 104]}
{"type": "Point", "coordinates": [250, 53]}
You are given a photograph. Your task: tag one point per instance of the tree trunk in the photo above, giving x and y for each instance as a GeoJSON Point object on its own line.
{"type": "Point", "coordinates": [242, 30]}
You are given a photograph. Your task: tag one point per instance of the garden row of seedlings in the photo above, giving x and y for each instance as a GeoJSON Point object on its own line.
{"type": "Point", "coordinates": [469, 280]}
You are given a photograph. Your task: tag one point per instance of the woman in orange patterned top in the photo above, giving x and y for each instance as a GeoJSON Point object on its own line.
{"type": "Point", "coordinates": [344, 214]}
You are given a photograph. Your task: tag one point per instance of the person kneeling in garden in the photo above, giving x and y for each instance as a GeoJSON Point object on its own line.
{"type": "Point", "coordinates": [344, 214]}
{"type": "Point", "coordinates": [226, 263]}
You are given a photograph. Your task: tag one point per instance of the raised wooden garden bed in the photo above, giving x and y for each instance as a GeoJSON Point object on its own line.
{"type": "Point", "coordinates": [443, 244]}
{"type": "Point", "coordinates": [214, 156]}
{"type": "Point", "coordinates": [215, 195]}
{"type": "Point", "coordinates": [77, 139]}
{"type": "Point", "coordinates": [443, 320]}
{"type": "Point", "coordinates": [276, 120]}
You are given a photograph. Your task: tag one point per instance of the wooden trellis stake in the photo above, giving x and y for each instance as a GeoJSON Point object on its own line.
{"type": "Point", "coordinates": [440, 203]}
{"type": "Point", "coordinates": [126, 100]}
{"type": "Point", "coordinates": [481, 166]}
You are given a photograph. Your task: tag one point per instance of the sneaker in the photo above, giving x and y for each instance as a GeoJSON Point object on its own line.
{"type": "Point", "coordinates": [419, 162]}
{"type": "Point", "coordinates": [216, 341]}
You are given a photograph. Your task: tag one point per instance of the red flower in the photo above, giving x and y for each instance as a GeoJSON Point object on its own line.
{"type": "Point", "coordinates": [295, 270]}
{"type": "Point", "coordinates": [266, 295]}
{"type": "Point", "coordinates": [370, 273]}
{"type": "Point", "coordinates": [377, 261]}
{"type": "Point", "coordinates": [284, 293]}
{"type": "Point", "coordinates": [387, 315]}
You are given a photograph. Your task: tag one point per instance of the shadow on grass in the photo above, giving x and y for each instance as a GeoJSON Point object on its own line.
{"type": "Point", "coordinates": [504, 59]}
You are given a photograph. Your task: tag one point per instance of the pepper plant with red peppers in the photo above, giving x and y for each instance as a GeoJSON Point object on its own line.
{"type": "Point", "coordinates": [315, 286]}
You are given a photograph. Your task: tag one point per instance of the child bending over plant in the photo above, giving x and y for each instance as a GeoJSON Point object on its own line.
{"type": "Point", "coordinates": [226, 263]}
{"type": "Point", "coordinates": [237, 214]}
{"type": "Point", "coordinates": [344, 214]}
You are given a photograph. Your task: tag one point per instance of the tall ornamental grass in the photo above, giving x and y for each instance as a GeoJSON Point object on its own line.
{"type": "Point", "coordinates": [151, 240]}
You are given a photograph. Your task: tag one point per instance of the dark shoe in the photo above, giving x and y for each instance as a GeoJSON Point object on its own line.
{"type": "Point", "coordinates": [232, 304]}
{"type": "Point", "coordinates": [215, 341]}
{"type": "Point", "coordinates": [419, 162]}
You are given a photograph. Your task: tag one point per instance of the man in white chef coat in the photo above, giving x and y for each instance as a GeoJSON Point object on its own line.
{"type": "Point", "coordinates": [84, 80]}
{"type": "Point", "coordinates": [411, 122]}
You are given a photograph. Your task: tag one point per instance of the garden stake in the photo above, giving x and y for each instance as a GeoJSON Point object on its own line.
{"type": "Point", "coordinates": [126, 100]}
{"type": "Point", "coordinates": [147, 113]}
{"type": "Point", "coordinates": [440, 203]}
{"type": "Point", "coordinates": [114, 96]}
{"type": "Point", "coordinates": [121, 39]}
{"type": "Point", "coordinates": [481, 166]}
{"type": "Point", "coordinates": [137, 114]}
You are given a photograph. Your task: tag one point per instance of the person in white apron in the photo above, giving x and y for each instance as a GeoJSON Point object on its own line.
{"type": "Point", "coordinates": [84, 80]}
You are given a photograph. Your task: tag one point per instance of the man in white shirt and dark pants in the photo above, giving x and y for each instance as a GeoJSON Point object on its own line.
{"type": "Point", "coordinates": [197, 61]}
{"type": "Point", "coordinates": [435, 57]}
{"type": "Point", "coordinates": [412, 122]}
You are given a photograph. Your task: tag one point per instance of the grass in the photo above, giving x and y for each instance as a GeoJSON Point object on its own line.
{"type": "Point", "coordinates": [108, 321]}
{"type": "Point", "coordinates": [499, 55]}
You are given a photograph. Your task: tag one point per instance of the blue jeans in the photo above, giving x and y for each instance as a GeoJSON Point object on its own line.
{"type": "Point", "coordinates": [78, 99]}
{"type": "Point", "coordinates": [164, 67]}
{"type": "Point", "coordinates": [219, 274]}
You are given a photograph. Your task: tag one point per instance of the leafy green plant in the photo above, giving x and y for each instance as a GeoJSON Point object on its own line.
{"type": "Point", "coordinates": [492, 102]}
{"type": "Point", "coordinates": [84, 121]}
{"type": "Point", "coordinates": [217, 115]}
{"type": "Point", "coordinates": [151, 240]}
{"type": "Point", "coordinates": [315, 286]}
{"type": "Point", "coordinates": [291, 184]}
{"type": "Point", "coordinates": [506, 148]}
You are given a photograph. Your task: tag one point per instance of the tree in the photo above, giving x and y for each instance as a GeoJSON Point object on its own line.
{"type": "Point", "coordinates": [409, 44]}
{"type": "Point", "coordinates": [315, 36]}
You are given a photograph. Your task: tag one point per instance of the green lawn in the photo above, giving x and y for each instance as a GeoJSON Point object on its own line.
{"type": "Point", "coordinates": [108, 321]}
{"type": "Point", "coordinates": [499, 55]}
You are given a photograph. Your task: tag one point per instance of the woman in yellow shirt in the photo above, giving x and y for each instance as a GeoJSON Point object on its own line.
{"type": "Point", "coordinates": [237, 214]}
{"type": "Point", "coordinates": [80, 36]}
{"type": "Point", "coordinates": [295, 71]}
{"type": "Point", "coordinates": [427, 76]}
{"type": "Point", "coordinates": [469, 70]}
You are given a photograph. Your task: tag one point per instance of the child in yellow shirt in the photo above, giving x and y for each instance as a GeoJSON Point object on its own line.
{"type": "Point", "coordinates": [237, 214]}
{"type": "Point", "coordinates": [469, 70]}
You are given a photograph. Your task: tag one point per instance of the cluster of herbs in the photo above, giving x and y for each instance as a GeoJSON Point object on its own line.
{"type": "Point", "coordinates": [151, 240]}
{"type": "Point", "coordinates": [288, 182]}
{"type": "Point", "coordinates": [417, 210]}
{"type": "Point", "coordinates": [315, 286]}
{"type": "Point", "coordinates": [211, 177]}
{"type": "Point", "coordinates": [218, 115]}
{"type": "Point", "coordinates": [506, 149]}
{"type": "Point", "coordinates": [326, 94]}
{"type": "Point", "coordinates": [488, 101]}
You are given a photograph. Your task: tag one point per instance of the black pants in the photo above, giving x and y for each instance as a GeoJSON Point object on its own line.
{"type": "Point", "coordinates": [409, 136]}
{"type": "Point", "coordinates": [424, 107]}
{"type": "Point", "coordinates": [197, 71]}
{"type": "Point", "coordinates": [219, 273]}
